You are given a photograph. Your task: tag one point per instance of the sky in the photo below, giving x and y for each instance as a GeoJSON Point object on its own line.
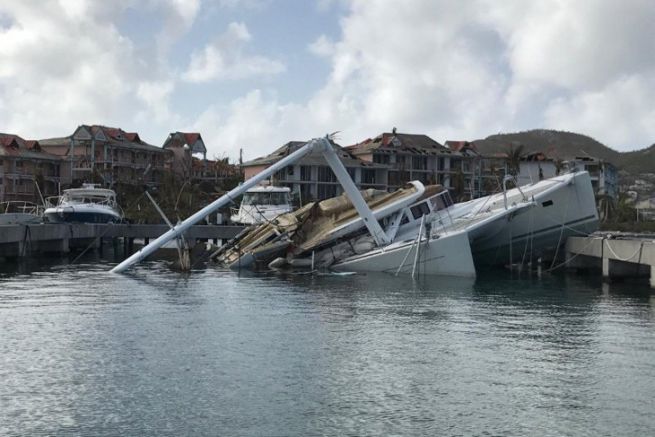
{"type": "Point", "coordinates": [255, 74]}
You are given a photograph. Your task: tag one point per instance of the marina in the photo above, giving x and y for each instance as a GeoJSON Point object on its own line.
{"type": "Point", "coordinates": [51, 238]}
{"type": "Point", "coordinates": [617, 256]}
{"type": "Point", "coordinates": [156, 353]}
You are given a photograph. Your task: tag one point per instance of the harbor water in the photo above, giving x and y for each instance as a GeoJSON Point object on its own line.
{"type": "Point", "coordinates": [155, 352]}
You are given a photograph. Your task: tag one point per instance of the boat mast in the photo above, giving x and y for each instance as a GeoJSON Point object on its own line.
{"type": "Point", "coordinates": [318, 144]}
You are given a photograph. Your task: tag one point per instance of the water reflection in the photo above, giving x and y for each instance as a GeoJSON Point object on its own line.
{"type": "Point", "coordinates": [156, 352]}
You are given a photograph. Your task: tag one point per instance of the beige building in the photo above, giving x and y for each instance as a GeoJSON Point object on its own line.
{"type": "Point", "coordinates": [418, 157]}
{"type": "Point", "coordinates": [107, 155]}
{"type": "Point", "coordinates": [25, 169]}
{"type": "Point", "coordinates": [311, 178]}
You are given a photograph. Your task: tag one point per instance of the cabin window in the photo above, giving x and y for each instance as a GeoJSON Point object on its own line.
{"type": "Point", "coordinates": [420, 210]}
{"type": "Point", "coordinates": [280, 198]}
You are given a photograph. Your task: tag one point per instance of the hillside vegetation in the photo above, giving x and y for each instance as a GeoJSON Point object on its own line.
{"type": "Point", "coordinates": [556, 144]}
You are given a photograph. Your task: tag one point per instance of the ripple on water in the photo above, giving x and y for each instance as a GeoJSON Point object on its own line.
{"type": "Point", "coordinates": [155, 352]}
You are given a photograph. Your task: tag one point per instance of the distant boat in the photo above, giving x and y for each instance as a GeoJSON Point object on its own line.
{"type": "Point", "coordinates": [261, 204]}
{"type": "Point", "coordinates": [88, 204]}
{"type": "Point", "coordinates": [17, 212]}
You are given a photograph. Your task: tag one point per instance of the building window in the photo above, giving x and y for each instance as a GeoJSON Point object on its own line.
{"type": "Point", "coordinates": [326, 191]}
{"type": "Point", "coordinates": [368, 176]}
{"type": "Point", "coordinates": [305, 173]}
{"type": "Point", "coordinates": [442, 163]}
{"type": "Point", "coordinates": [419, 163]}
{"type": "Point", "coordinates": [381, 158]}
{"type": "Point", "coordinates": [325, 174]}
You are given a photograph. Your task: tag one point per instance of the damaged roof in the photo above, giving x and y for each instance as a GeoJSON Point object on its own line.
{"type": "Point", "coordinates": [393, 142]}
{"type": "Point", "coordinates": [14, 146]}
{"type": "Point", "coordinates": [312, 158]}
{"type": "Point", "coordinates": [115, 136]}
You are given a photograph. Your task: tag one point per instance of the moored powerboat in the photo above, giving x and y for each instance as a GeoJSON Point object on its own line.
{"type": "Point", "coordinates": [261, 204]}
{"type": "Point", "coordinates": [88, 204]}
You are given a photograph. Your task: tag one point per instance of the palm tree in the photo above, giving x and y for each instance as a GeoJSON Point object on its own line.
{"type": "Point", "coordinates": [514, 155]}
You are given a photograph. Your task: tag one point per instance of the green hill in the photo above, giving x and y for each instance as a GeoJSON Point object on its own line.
{"type": "Point", "coordinates": [639, 161]}
{"type": "Point", "coordinates": [556, 144]}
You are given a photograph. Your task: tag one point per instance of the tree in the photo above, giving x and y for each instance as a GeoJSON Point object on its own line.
{"type": "Point", "coordinates": [514, 155]}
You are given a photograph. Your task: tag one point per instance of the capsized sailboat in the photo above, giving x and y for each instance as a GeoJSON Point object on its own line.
{"type": "Point", "coordinates": [518, 225]}
{"type": "Point", "coordinates": [316, 226]}
{"type": "Point", "coordinates": [428, 233]}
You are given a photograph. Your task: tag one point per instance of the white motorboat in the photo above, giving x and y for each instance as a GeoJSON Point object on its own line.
{"type": "Point", "coordinates": [261, 204]}
{"type": "Point", "coordinates": [88, 204]}
{"type": "Point", "coordinates": [16, 212]}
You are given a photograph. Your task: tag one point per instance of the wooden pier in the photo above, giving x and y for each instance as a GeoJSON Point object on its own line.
{"type": "Point", "coordinates": [28, 240]}
{"type": "Point", "coordinates": [618, 257]}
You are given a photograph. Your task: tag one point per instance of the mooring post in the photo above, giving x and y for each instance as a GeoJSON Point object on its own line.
{"type": "Point", "coordinates": [605, 262]}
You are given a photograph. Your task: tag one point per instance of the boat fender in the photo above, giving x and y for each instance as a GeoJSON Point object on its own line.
{"type": "Point", "coordinates": [363, 246]}
{"type": "Point", "coordinates": [277, 263]}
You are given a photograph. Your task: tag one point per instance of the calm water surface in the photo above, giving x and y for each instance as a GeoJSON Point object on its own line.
{"type": "Point", "coordinates": [85, 352]}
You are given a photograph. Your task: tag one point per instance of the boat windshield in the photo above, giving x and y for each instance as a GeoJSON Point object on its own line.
{"type": "Point", "coordinates": [87, 198]}
{"type": "Point", "coordinates": [441, 201]}
{"type": "Point", "coordinates": [279, 198]}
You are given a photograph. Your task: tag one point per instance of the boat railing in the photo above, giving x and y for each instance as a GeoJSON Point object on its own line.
{"type": "Point", "coordinates": [20, 206]}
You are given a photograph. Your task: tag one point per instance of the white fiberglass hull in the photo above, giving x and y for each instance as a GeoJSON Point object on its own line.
{"type": "Point", "coordinates": [567, 208]}
{"type": "Point", "coordinates": [448, 254]}
{"type": "Point", "coordinates": [82, 213]}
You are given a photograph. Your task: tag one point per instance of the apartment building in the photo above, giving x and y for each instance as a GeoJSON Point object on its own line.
{"type": "Point", "coordinates": [107, 155]}
{"type": "Point", "coordinates": [604, 175]}
{"type": "Point", "coordinates": [419, 157]}
{"type": "Point", "coordinates": [26, 171]}
{"type": "Point", "coordinates": [311, 178]}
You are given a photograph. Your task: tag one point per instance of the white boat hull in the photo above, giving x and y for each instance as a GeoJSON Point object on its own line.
{"type": "Point", "coordinates": [446, 255]}
{"type": "Point", "coordinates": [566, 210]}
{"type": "Point", "coordinates": [82, 213]}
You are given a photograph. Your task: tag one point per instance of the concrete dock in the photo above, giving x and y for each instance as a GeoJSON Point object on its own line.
{"type": "Point", "coordinates": [618, 256]}
{"type": "Point", "coordinates": [27, 240]}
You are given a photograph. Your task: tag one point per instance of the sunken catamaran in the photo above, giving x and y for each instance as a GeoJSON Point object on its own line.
{"type": "Point", "coordinates": [415, 229]}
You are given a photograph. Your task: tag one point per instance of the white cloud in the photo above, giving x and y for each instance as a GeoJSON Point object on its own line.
{"type": "Point", "coordinates": [469, 69]}
{"type": "Point", "coordinates": [621, 110]}
{"type": "Point", "coordinates": [254, 122]}
{"type": "Point", "coordinates": [322, 46]}
{"type": "Point", "coordinates": [448, 69]}
{"type": "Point", "coordinates": [54, 69]}
{"type": "Point", "coordinates": [225, 58]}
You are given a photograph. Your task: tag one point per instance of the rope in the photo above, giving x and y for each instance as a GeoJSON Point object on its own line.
{"type": "Point", "coordinates": [572, 258]}
{"type": "Point", "coordinates": [561, 233]}
{"type": "Point", "coordinates": [91, 244]}
{"type": "Point", "coordinates": [625, 259]}
{"type": "Point", "coordinates": [26, 237]}
{"type": "Point", "coordinates": [109, 226]}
